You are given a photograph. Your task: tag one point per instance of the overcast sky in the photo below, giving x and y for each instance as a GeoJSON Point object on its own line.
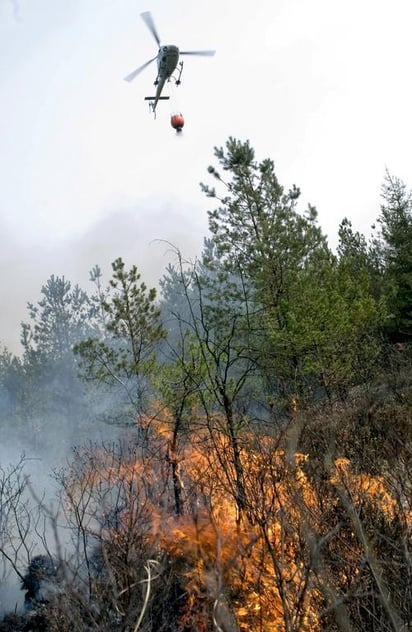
{"type": "Point", "coordinates": [87, 175]}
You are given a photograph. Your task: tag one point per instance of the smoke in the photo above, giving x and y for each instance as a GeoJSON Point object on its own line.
{"type": "Point", "coordinates": [140, 235]}
{"type": "Point", "coordinates": [44, 445]}
{"type": "Point", "coordinates": [16, 10]}
{"type": "Point", "coordinates": [137, 234]}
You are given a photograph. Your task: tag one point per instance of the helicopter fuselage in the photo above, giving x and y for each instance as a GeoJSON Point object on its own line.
{"type": "Point", "coordinates": [167, 59]}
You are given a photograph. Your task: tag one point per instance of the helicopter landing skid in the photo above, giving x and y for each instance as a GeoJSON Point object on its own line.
{"type": "Point", "coordinates": [178, 80]}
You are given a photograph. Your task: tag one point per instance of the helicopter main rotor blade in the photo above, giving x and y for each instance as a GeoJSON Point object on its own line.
{"type": "Point", "coordinates": [203, 53]}
{"type": "Point", "coordinates": [138, 70]}
{"type": "Point", "coordinates": [148, 20]}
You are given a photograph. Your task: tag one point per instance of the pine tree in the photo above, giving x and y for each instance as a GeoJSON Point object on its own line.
{"type": "Point", "coordinates": [307, 332]}
{"type": "Point", "coordinates": [396, 229]}
{"type": "Point", "coordinates": [124, 353]}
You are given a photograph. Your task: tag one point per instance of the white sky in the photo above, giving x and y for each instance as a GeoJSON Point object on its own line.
{"type": "Point", "coordinates": [321, 87]}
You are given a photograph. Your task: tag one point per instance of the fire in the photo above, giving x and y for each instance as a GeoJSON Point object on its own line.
{"type": "Point", "coordinates": [257, 565]}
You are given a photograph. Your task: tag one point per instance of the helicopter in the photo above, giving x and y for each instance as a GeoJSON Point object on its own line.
{"type": "Point", "coordinates": [167, 62]}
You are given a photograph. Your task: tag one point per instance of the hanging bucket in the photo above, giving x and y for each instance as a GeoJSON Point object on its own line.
{"type": "Point", "coordinates": [177, 122]}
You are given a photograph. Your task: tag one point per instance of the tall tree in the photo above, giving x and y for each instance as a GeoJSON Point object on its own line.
{"type": "Point", "coordinates": [360, 278]}
{"type": "Point", "coordinates": [12, 384]}
{"type": "Point", "coordinates": [257, 227]}
{"type": "Point", "coordinates": [60, 319]}
{"type": "Point", "coordinates": [396, 229]}
{"type": "Point", "coordinates": [209, 375]}
{"type": "Point", "coordinates": [124, 354]}
{"type": "Point", "coordinates": [299, 309]}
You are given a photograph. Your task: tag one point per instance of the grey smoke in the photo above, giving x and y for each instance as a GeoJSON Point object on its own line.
{"type": "Point", "coordinates": [137, 234]}
{"type": "Point", "coordinates": [15, 5]}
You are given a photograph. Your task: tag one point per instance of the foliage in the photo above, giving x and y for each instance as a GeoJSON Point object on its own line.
{"type": "Point", "coordinates": [61, 318]}
{"type": "Point", "coordinates": [396, 231]}
{"type": "Point", "coordinates": [313, 323]}
{"type": "Point", "coordinates": [124, 353]}
{"type": "Point", "coordinates": [12, 391]}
